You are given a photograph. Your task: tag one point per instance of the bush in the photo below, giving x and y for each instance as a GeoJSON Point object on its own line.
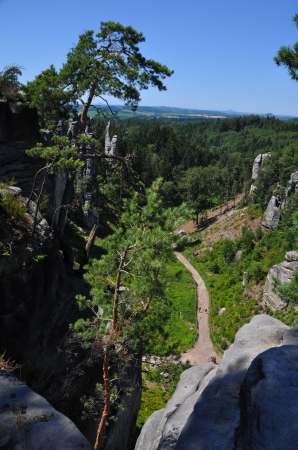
{"type": "Point", "coordinates": [246, 240]}
{"type": "Point", "coordinates": [255, 272]}
{"type": "Point", "coordinates": [13, 207]}
{"type": "Point", "coordinates": [223, 345]}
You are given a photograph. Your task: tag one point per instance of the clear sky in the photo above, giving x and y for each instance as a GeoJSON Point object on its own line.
{"type": "Point", "coordinates": [221, 51]}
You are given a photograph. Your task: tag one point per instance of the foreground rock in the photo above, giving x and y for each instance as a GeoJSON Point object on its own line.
{"type": "Point", "coordinates": [269, 401]}
{"type": "Point", "coordinates": [250, 375]}
{"type": "Point", "coordinates": [282, 272]}
{"type": "Point", "coordinates": [28, 421]}
{"type": "Point", "coordinates": [154, 429]}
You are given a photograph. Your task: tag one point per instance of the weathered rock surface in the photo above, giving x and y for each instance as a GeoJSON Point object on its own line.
{"type": "Point", "coordinates": [154, 430]}
{"type": "Point", "coordinates": [212, 416]}
{"type": "Point", "coordinates": [256, 166]}
{"type": "Point", "coordinates": [258, 163]}
{"type": "Point", "coordinates": [283, 272]}
{"type": "Point", "coordinates": [269, 401]}
{"type": "Point", "coordinates": [272, 213]}
{"type": "Point", "coordinates": [27, 420]}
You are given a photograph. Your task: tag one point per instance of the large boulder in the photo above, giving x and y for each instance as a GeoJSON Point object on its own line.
{"type": "Point", "coordinates": [217, 414]}
{"type": "Point", "coordinates": [28, 421]}
{"type": "Point", "coordinates": [282, 272]}
{"type": "Point", "coordinates": [161, 426]}
{"type": "Point", "coordinates": [272, 213]}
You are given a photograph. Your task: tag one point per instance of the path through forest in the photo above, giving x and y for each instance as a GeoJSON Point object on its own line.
{"type": "Point", "coordinates": [203, 347]}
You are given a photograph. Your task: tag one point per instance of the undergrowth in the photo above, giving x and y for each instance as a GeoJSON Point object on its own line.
{"type": "Point", "coordinates": [157, 389]}
{"type": "Point", "coordinates": [13, 207]}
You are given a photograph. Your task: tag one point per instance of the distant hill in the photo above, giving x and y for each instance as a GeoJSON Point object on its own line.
{"type": "Point", "coordinates": [177, 114]}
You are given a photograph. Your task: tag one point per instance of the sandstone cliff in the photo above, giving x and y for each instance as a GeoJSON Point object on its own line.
{"type": "Point", "coordinates": [249, 401]}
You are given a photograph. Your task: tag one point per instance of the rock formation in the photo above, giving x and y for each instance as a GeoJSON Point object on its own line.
{"type": "Point", "coordinates": [237, 405]}
{"type": "Point", "coordinates": [110, 144]}
{"type": "Point", "coordinates": [272, 213]}
{"type": "Point", "coordinates": [292, 184]}
{"type": "Point", "coordinates": [283, 272]}
{"type": "Point", "coordinates": [258, 161]}
{"type": "Point", "coordinates": [18, 133]}
{"type": "Point", "coordinates": [291, 188]}
{"type": "Point", "coordinates": [28, 421]}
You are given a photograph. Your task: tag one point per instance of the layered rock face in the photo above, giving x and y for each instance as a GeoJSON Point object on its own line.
{"type": "Point", "coordinates": [236, 405]}
{"type": "Point", "coordinates": [28, 421]}
{"type": "Point", "coordinates": [283, 272]}
{"type": "Point", "coordinates": [18, 133]}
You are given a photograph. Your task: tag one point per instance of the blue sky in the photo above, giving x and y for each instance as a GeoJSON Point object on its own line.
{"type": "Point", "coordinates": [221, 51]}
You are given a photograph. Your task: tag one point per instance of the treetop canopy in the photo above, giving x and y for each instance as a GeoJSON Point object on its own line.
{"type": "Point", "coordinates": [106, 63]}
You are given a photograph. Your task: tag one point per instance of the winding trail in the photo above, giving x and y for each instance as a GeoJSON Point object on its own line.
{"type": "Point", "coordinates": [203, 347]}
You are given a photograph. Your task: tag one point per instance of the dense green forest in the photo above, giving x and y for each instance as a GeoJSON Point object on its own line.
{"type": "Point", "coordinates": [206, 162]}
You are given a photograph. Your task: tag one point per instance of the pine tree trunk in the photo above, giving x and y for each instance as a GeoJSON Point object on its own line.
{"type": "Point", "coordinates": [107, 399]}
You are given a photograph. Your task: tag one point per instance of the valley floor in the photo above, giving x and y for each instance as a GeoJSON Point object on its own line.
{"type": "Point", "coordinates": [203, 348]}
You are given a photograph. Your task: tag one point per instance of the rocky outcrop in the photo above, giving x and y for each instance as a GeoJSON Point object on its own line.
{"type": "Point", "coordinates": [272, 213]}
{"type": "Point", "coordinates": [164, 426]}
{"type": "Point", "coordinates": [110, 143]}
{"type": "Point", "coordinates": [28, 421]}
{"type": "Point", "coordinates": [257, 164]}
{"type": "Point", "coordinates": [283, 272]}
{"type": "Point", "coordinates": [227, 400]}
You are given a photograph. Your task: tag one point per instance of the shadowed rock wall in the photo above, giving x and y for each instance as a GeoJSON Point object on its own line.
{"type": "Point", "coordinates": [18, 133]}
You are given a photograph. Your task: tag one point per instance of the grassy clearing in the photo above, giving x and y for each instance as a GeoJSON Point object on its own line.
{"type": "Point", "coordinates": [181, 326]}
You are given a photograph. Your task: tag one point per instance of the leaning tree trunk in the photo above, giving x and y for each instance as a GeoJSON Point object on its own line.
{"type": "Point", "coordinates": [89, 245]}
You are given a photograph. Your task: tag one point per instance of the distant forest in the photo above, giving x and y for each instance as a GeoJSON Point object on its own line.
{"type": "Point", "coordinates": [206, 162]}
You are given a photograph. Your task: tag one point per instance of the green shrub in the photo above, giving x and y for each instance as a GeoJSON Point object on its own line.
{"type": "Point", "coordinates": [223, 345]}
{"type": "Point", "coordinates": [256, 272]}
{"type": "Point", "coordinates": [13, 207]}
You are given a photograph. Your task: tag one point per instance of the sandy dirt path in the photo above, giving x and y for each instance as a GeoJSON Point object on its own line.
{"type": "Point", "coordinates": [203, 347]}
